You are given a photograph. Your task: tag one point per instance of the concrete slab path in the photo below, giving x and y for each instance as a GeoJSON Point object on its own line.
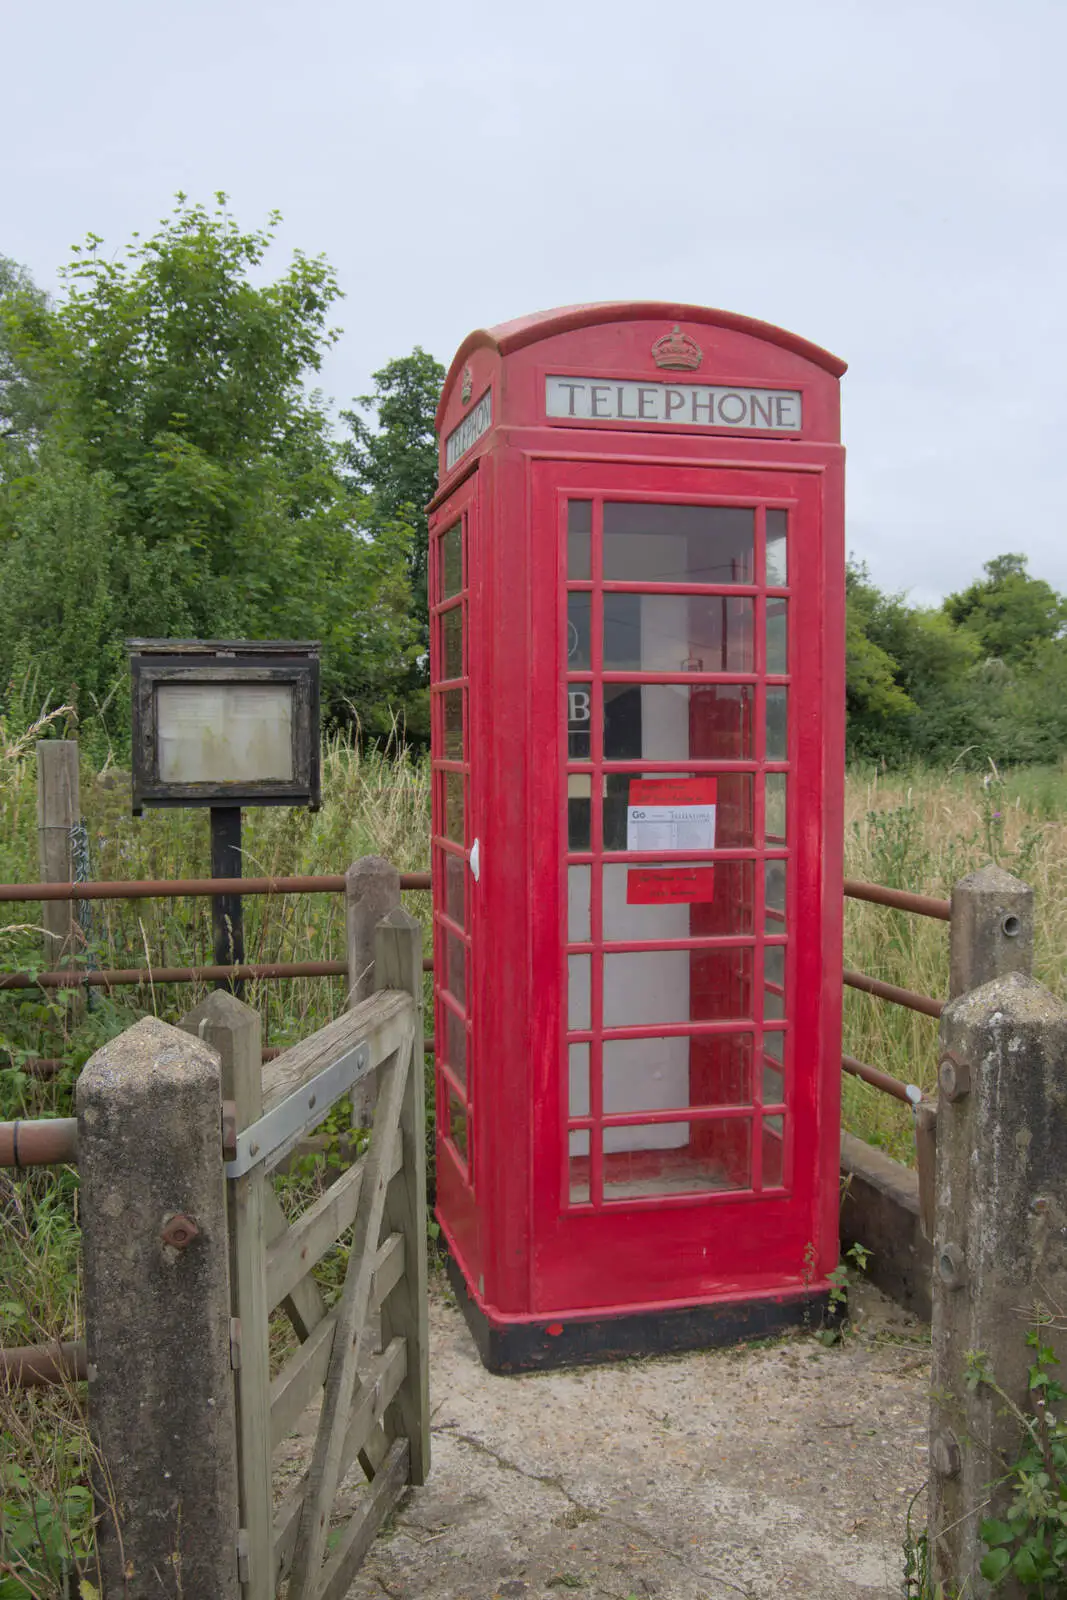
{"type": "Point", "coordinates": [783, 1470]}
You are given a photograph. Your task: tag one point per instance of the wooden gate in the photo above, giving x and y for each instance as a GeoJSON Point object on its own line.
{"type": "Point", "coordinates": [367, 1354]}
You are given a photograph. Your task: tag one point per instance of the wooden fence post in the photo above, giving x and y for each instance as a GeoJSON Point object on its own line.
{"type": "Point", "coordinates": [157, 1314]}
{"type": "Point", "coordinates": [233, 1029]}
{"type": "Point", "coordinates": [405, 1311]}
{"type": "Point", "coordinates": [1000, 1214]}
{"type": "Point", "coordinates": [58, 811]}
{"type": "Point", "coordinates": [372, 890]}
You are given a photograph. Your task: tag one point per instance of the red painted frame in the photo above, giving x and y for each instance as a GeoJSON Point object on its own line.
{"type": "Point", "coordinates": [524, 1252]}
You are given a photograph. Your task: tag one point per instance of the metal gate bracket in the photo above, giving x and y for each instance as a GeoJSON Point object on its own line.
{"type": "Point", "coordinates": [269, 1139]}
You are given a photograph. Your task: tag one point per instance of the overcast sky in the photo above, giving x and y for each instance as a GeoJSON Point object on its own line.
{"type": "Point", "coordinates": [887, 179]}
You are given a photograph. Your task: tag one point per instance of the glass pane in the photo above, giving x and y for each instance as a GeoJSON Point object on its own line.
{"type": "Point", "coordinates": [676, 721]}
{"type": "Point", "coordinates": [678, 544]}
{"type": "Point", "coordinates": [456, 1045]}
{"type": "Point", "coordinates": [773, 1085]}
{"type": "Point", "coordinates": [452, 720]}
{"type": "Point", "coordinates": [777, 652]}
{"type": "Point", "coordinates": [579, 1167]}
{"type": "Point", "coordinates": [452, 642]}
{"type": "Point", "coordinates": [453, 783]}
{"type": "Point", "coordinates": [577, 904]}
{"type": "Point", "coordinates": [773, 1152]}
{"type": "Point", "coordinates": [677, 633]}
{"type": "Point", "coordinates": [579, 789]}
{"type": "Point", "coordinates": [579, 1082]}
{"type": "Point", "coordinates": [455, 966]}
{"type": "Point", "coordinates": [777, 725]}
{"type": "Point", "coordinates": [452, 561]}
{"type": "Point", "coordinates": [578, 613]}
{"type": "Point", "coordinates": [677, 811]}
{"type": "Point", "coordinates": [579, 716]}
{"type": "Point", "coordinates": [774, 981]}
{"type": "Point", "coordinates": [579, 531]}
{"type": "Point", "coordinates": [578, 979]}
{"type": "Point", "coordinates": [776, 810]}
{"type": "Point", "coordinates": [774, 1046]}
{"type": "Point", "coordinates": [457, 1125]}
{"type": "Point", "coordinates": [643, 986]}
{"type": "Point", "coordinates": [678, 1157]}
{"type": "Point", "coordinates": [453, 872]}
{"type": "Point", "coordinates": [777, 567]}
{"type": "Point", "coordinates": [774, 896]}
{"type": "Point", "coordinates": [677, 900]}
{"type": "Point", "coordinates": [670, 1074]}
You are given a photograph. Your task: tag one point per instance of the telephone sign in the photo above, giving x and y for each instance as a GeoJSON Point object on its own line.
{"type": "Point", "coordinates": [637, 624]}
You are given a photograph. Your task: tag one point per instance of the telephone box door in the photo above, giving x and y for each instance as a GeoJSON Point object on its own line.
{"type": "Point", "coordinates": [455, 799]}
{"type": "Point", "coordinates": [689, 1148]}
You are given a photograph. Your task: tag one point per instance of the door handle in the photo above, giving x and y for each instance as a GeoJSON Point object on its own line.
{"type": "Point", "coordinates": [475, 861]}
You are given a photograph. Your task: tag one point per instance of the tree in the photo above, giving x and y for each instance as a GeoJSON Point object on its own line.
{"type": "Point", "coordinates": [395, 460]}
{"type": "Point", "coordinates": [1009, 613]}
{"type": "Point", "coordinates": [22, 406]}
{"type": "Point", "coordinates": [178, 410]}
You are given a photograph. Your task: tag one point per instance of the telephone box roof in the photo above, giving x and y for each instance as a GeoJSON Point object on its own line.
{"type": "Point", "coordinates": [509, 336]}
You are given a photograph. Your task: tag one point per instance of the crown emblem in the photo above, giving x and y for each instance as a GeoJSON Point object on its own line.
{"type": "Point", "coordinates": [465, 393]}
{"type": "Point", "coordinates": [677, 351]}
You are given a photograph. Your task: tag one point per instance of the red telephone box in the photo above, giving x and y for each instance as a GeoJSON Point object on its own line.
{"type": "Point", "coordinates": [637, 648]}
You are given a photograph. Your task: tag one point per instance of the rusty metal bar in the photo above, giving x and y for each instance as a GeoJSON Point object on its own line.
{"type": "Point", "coordinates": [38, 1141]}
{"type": "Point", "coordinates": [115, 977]}
{"type": "Point", "coordinates": [889, 991]}
{"type": "Point", "coordinates": [174, 888]}
{"type": "Point", "coordinates": [877, 1079]}
{"type": "Point", "coordinates": [923, 905]}
{"type": "Point", "coordinates": [27, 1365]}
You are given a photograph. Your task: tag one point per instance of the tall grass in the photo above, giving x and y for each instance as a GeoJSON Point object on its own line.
{"type": "Point", "coordinates": [924, 831]}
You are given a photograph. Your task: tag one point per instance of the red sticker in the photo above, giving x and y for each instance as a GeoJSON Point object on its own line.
{"type": "Point", "coordinates": [672, 791]}
{"type": "Point", "coordinates": [669, 886]}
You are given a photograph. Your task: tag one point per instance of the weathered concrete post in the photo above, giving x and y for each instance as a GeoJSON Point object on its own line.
{"type": "Point", "coordinates": [58, 810]}
{"type": "Point", "coordinates": [1000, 1212]}
{"type": "Point", "coordinates": [157, 1313]}
{"type": "Point", "coordinates": [405, 1311]}
{"type": "Point", "coordinates": [992, 929]}
{"type": "Point", "coordinates": [372, 890]}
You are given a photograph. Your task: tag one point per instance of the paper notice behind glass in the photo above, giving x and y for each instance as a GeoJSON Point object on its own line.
{"type": "Point", "coordinates": [671, 814]}
{"type": "Point", "coordinates": [225, 733]}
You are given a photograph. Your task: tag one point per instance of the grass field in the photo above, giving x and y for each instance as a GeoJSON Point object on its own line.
{"type": "Point", "coordinates": [921, 831]}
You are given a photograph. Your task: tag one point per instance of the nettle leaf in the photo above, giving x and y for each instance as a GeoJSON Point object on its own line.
{"type": "Point", "coordinates": [995, 1565]}
{"type": "Point", "coordinates": [992, 1532]}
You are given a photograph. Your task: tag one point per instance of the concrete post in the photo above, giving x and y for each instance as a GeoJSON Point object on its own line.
{"type": "Point", "coordinates": [372, 890]}
{"type": "Point", "coordinates": [58, 809]}
{"type": "Point", "coordinates": [999, 1230]}
{"type": "Point", "coordinates": [992, 929]}
{"type": "Point", "coordinates": [157, 1313]}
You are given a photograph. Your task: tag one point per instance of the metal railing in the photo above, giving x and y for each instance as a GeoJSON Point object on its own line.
{"type": "Point", "coordinates": [920, 905]}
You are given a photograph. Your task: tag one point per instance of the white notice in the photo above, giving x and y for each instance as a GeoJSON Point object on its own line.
{"type": "Point", "coordinates": [670, 828]}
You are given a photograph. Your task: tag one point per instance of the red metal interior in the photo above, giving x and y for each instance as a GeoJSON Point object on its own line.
{"type": "Point", "coordinates": [638, 1040]}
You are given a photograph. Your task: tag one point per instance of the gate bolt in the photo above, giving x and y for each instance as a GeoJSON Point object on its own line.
{"type": "Point", "coordinates": [954, 1077]}
{"type": "Point", "coordinates": [179, 1230]}
{"type": "Point", "coordinates": [945, 1454]}
{"type": "Point", "coordinates": [951, 1266]}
